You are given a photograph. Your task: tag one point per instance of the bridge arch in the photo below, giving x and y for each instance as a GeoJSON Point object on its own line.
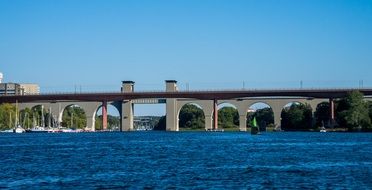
{"type": "Point", "coordinates": [263, 113]}
{"type": "Point", "coordinates": [296, 115]}
{"type": "Point", "coordinates": [205, 105]}
{"type": "Point", "coordinates": [228, 115]}
{"type": "Point", "coordinates": [74, 117]}
{"type": "Point", "coordinates": [322, 114]}
{"type": "Point", "coordinates": [38, 115]}
{"type": "Point", "coordinates": [88, 107]}
{"type": "Point", "coordinates": [195, 120]}
{"type": "Point", "coordinates": [113, 111]}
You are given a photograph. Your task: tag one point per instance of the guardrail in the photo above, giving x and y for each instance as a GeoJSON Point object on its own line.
{"type": "Point", "coordinates": [214, 90]}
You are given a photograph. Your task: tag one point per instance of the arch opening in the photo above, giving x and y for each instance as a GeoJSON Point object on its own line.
{"type": "Point", "coordinates": [264, 116]}
{"type": "Point", "coordinates": [39, 117]}
{"type": "Point", "coordinates": [228, 117]}
{"type": "Point", "coordinates": [113, 118]}
{"type": "Point", "coordinates": [322, 115]}
{"type": "Point", "coordinates": [296, 116]}
{"type": "Point", "coordinates": [74, 117]}
{"type": "Point", "coordinates": [149, 116]}
{"type": "Point", "coordinates": [191, 117]}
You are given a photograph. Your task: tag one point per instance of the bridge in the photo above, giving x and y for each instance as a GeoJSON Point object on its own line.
{"type": "Point", "coordinates": [175, 100]}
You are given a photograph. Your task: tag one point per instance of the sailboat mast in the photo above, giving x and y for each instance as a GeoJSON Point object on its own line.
{"type": "Point", "coordinates": [10, 119]}
{"type": "Point", "coordinates": [72, 119]}
{"type": "Point", "coordinates": [50, 117]}
{"type": "Point", "coordinates": [16, 117]}
{"type": "Point", "coordinates": [42, 117]}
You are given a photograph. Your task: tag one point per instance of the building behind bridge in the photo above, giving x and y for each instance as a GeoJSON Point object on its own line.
{"type": "Point", "coordinates": [11, 88]}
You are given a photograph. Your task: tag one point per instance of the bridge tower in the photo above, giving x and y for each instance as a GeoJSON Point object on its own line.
{"type": "Point", "coordinates": [127, 110]}
{"type": "Point", "coordinates": [171, 107]}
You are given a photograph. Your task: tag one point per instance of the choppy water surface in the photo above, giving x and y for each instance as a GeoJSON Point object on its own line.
{"type": "Point", "coordinates": [186, 160]}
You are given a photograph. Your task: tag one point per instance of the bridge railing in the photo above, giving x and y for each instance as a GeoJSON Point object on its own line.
{"type": "Point", "coordinates": [202, 90]}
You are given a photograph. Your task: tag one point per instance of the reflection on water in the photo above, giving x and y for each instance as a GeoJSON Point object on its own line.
{"type": "Point", "coordinates": [186, 160]}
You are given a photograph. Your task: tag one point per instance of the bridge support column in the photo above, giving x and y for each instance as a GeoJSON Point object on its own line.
{"type": "Point", "coordinates": [171, 107]}
{"type": "Point", "coordinates": [104, 115]}
{"type": "Point", "coordinates": [215, 115]}
{"type": "Point", "coordinates": [127, 116]}
{"type": "Point", "coordinates": [208, 122]}
{"type": "Point", "coordinates": [331, 112]}
{"type": "Point", "coordinates": [277, 118]}
{"type": "Point", "coordinates": [127, 110]}
{"type": "Point", "coordinates": [242, 122]}
{"type": "Point", "coordinates": [91, 122]}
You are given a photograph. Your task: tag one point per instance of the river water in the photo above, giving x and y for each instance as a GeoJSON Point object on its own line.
{"type": "Point", "coordinates": [189, 160]}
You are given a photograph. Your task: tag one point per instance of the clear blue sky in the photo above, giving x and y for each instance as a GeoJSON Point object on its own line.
{"type": "Point", "coordinates": [208, 44]}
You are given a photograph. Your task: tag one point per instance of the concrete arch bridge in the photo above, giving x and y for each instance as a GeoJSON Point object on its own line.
{"type": "Point", "coordinates": [174, 99]}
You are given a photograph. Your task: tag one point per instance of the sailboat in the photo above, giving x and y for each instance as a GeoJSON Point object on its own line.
{"type": "Point", "coordinates": [254, 129]}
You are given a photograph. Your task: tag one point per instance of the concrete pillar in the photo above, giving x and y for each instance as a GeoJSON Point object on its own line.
{"type": "Point", "coordinates": [242, 122]}
{"type": "Point", "coordinates": [127, 116]}
{"type": "Point", "coordinates": [215, 115]}
{"type": "Point", "coordinates": [277, 117]}
{"type": "Point", "coordinates": [91, 122]}
{"type": "Point", "coordinates": [127, 110]}
{"type": "Point", "coordinates": [208, 122]}
{"type": "Point", "coordinates": [171, 107]}
{"type": "Point", "coordinates": [331, 112]}
{"type": "Point", "coordinates": [104, 115]}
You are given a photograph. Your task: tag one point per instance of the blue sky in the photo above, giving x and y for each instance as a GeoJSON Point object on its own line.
{"type": "Point", "coordinates": [207, 44]}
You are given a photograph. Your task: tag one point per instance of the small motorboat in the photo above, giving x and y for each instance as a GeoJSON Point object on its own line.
{"type": "Point", "coordinates": [322, 130]}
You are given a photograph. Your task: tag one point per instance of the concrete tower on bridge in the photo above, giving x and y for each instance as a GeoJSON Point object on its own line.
{"type": "Point", "coordinates": [171, 106]}
{"type": "Point", "coordinates": [127, 108]}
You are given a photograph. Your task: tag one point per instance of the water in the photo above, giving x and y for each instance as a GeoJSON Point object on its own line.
{"type": "Point", "coordinates": [189, 160]}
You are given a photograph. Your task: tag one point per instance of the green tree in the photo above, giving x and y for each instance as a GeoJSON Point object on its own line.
{"type": "Point", "coordinates": [74, 115]}
{"type": "Point", "coordinates": [296, 117]}
{"type": "Point", "coordinates": [228, 117]}
{"type": "Point", "coordinates": [322, 114]}
{"type": "Point", "coordinates": [161, 125]}
{"type": "Point", "coordinates": [7, 116]}
{"type": "Point", "coordinates": [356, 112]}
{"type": "Point", "coordinates": [192, 117]}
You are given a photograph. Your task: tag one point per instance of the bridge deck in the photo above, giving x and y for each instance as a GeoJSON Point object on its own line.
{"type": "Point", "coordinates": [200, 95]}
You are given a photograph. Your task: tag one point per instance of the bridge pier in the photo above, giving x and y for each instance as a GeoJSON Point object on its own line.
{"type": "Point", "coordinates": [171, 107]}
{"type": "Point", "coordinates": [104, 115]}
{"type": "Point", "coordinates": [127, 110]}
{"type": "Point", "coordinates": [215, 115]}
{"type": "Point", "coordinates": [208, 122]}
{"type": "Point", "coordinates": [331, 112]}
{"type": "Point", "coordinates": [243, 122]}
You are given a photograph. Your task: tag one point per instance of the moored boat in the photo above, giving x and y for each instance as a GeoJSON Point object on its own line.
{"type": "Point", "coordinates": [322, 130]}
{"type": "Point", "coordinates": [37, 129]}
{"type": "Point", "coordinates": [19, 129]}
